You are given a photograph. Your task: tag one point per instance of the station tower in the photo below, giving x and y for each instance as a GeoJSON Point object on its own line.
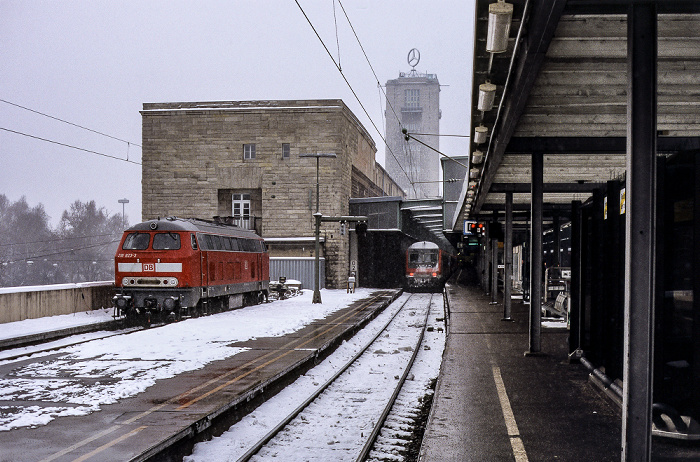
{"type": "Point", "coordinates": [413, 103]}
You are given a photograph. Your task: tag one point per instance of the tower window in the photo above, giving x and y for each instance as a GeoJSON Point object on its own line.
{"type": "Point", "coordinates": [412, 97]}
{"type": "Point", "coordinates": [285, 150]}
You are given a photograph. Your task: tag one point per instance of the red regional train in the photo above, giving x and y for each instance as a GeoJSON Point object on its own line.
{"type": "Point", "coordinates": [181, 267]}
{"type": "Point", "coordinates": [425, 266]}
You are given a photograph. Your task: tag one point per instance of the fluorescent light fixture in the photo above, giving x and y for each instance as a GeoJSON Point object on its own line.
{"type": "Point", "coordinates": [487, 94]}
{"type": "Point", "coordinates": [500, 17]}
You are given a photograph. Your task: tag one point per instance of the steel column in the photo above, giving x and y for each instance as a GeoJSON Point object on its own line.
{"type": "Point", "coordinates": [575, 321]}
{"type": "Point", "coordinates": [536, 254]}
{"type": "Point", "coordinates": [556, 225]}
{"type": "Point", "coordinates": [508, 258]}
{"type": "Point", "coordinates": [640, 231]}
{"type": "Point", "coordinates": [696, 287]}
{"type": "Point", "coordinates": [494, 271]}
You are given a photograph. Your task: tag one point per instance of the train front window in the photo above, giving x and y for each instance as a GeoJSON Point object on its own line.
{"type": "Point", "coordinates": [136, 241]}
{"type": "Point", "coordinates": [166, 241]}
{"type": "Point", "coordinates": [423, 258]}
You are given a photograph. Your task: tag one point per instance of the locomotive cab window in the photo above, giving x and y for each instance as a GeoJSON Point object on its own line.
{"type": "Point", "coordinates": [136, 241]}
{"type": "Point", "coordinates": [166, 241]}
{"type": "Point", "coordinates": [429, 258]}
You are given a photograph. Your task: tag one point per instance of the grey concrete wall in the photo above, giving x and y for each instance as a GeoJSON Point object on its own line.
{"type": "Point", "coordinates": [19, 304]}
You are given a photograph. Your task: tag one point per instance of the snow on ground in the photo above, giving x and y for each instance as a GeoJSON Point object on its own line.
{"type": "Point", "coordinates": [51, 323]}
{"type": "Point", "coordinates": [77, 380]}
{"type": "Point", "coordinates": [231, 445]}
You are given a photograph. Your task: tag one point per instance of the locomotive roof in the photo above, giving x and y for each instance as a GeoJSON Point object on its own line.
{"type": "Point", "coordinates": [424, 245]}
{"type": "Point", "coordinates": [192, 224]}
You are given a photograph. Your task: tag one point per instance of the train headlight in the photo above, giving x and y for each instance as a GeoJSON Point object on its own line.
{"type": "Point", "coordinates": [434, 275]}
{"type": "Point", "coordinates": [125, 281]}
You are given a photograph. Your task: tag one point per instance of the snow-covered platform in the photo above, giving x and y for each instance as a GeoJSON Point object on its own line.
{"type": "Point", "coordinates": [494, 403]}
{"type": "Point", "coordinates": [167, 417]}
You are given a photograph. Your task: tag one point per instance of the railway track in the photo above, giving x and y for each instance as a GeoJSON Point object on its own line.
{"type": "Point", "coordinates": [356, 403]}
{"type": "Point", "coordinates": [53, 344]}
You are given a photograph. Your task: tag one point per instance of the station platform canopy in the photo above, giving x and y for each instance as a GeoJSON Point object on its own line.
{"type": "Point", "coordinates": [560, 88]}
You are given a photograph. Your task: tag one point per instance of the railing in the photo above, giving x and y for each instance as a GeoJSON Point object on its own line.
{"type": "Point", "coordinates": [243, 222]}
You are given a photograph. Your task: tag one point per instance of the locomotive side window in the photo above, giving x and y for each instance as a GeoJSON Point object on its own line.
{"type": "Point", "coordinates": [137, 241]}
{"type": "Point", "coordinates": [226, 243]}
{"type": "Point", "coordinates": [166, 241]}
{"type": "Point", "coordinates": [194, 241]}
{"type": "Point", "coordinates": [207, 243]}
{"type": "Point", "coordinates": [216, 240]}
{"type": "Point", "coordinates": [248, 245]}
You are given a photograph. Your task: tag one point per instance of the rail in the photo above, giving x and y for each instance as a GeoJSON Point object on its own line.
{"type": "Point", "coordinates": [292, 415]}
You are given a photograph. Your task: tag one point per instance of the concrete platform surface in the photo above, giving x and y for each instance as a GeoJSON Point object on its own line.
{"type": "Point", "coordinates": [493, 403]}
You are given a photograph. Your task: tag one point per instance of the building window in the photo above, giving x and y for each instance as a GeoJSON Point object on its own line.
{"type": "Point", "coordinates": [285, 150]}
{"type": "Point", "coordinates": [240, 208]}
{"type": "Point", "coordinates": [412, 97]}
{"type": "Point", "coordinates": [249, 151]}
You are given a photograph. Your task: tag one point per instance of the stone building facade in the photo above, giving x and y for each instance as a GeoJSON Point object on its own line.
{"type": "Point", "coordinates": [242, 159]}
{"type": "Point", "coordinates": [413, 103]}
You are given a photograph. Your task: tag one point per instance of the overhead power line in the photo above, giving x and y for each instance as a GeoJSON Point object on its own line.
{"type": "Point", "coordinates": [58, 239]}
{"type": "Point", "coordinates": [410, 135]}
{"type": "Point", "coordinates": [352, 90]}
{"type": "Point", "coordinates": [62, 252]}
{"type": "Point", "coordinates": [69, 123]}
{"type": "Point", "coordinates": [398, 119]}
{"type": "Point", "coordinates": [70, 146]}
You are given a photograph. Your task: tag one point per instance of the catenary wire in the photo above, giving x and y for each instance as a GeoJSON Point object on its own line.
{"type": "Point", "coordinates": [398, 119]}
{"type": "Point", "coordinates": [34, 257]}
{"type": "Point", "coordinates": [70, 146]}
{"type": "Point", "coordinates": [58, 239]}
{"type": "Point", "coordinates": [410, 135]}
{"type": "Point", "coordinates": [352, 89]}
{"type": "Point", "coordinates": [69, 123]}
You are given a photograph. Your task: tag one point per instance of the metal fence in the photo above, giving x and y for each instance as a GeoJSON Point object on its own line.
{"type": "Point", "coordinates": [299, 268]}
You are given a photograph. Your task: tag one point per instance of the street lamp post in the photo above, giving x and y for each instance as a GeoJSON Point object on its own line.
{"type": "Point", "coordinates": [123, 202]}
{"type": "Point", "coordinates": [317, 223]}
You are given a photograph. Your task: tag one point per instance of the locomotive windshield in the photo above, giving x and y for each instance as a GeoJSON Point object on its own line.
{"type": "Point", "coordinates": [423, 258]}
{"type": "Point", "coordinates": [166, 241]}
{"type": "Point", "coordinates": [137, 241]}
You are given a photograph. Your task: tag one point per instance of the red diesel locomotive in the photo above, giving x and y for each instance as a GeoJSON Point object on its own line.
{"type": "Point", "coordinates": [179, 267]}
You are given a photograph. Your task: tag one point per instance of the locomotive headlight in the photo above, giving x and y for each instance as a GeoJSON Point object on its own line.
{"type": "Point", "coordinates": [125, 281]}
{"type": "Point", "coordinates": [170, 282]}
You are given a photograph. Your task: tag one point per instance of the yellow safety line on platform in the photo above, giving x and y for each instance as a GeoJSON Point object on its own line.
{"type": "Point", "coordinates": [511, 426]}
{"type": "Point", "coordinates": [111, 443]}
{"type": "Point", "coordinates": [181, 396]}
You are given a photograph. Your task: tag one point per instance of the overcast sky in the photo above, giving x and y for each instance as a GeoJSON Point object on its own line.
{"type": "Point", "coordinates": [94, 63]}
